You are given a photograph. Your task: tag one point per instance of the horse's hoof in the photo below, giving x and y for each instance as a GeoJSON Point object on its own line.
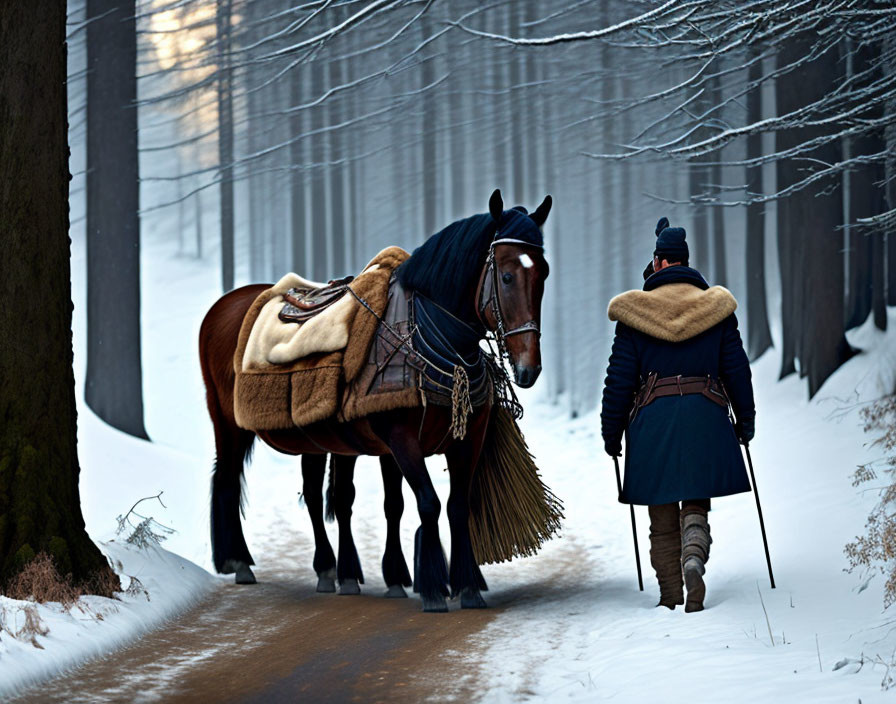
{"type": "Point", "coordinates": [472, 599]}
{"type": "Point", "coordinates": [396, 591]}
{"type": "Point", "coordinates": [349, 587]}
{"type": "Point", "coordinates": [434, 605]}
{"type": "Point", "coordinates": [244, 575]}
{"type": "Point", "coordinates": [326, 581]}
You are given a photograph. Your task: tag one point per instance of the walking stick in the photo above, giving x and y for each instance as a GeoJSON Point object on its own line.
{"type": "Point", "coordinates": [634, 529]}
{"type": "Point", "coordinates": [768, 558]}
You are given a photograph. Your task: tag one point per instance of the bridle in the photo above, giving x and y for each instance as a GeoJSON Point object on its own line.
{"type": "Point", "coordinates": [488, 296]}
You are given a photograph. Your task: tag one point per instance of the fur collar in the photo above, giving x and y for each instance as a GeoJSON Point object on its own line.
{"type": "Point", "coordinates": [673, 312]}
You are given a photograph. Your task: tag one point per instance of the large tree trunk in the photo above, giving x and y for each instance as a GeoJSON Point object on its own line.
{"type": "Point", "coordinates": [813, 269]}
{"type": "Point", "coordinates": [114, 388]}
{"type": "Point", "coordinates": [225, 142]}
{"type": "Point", "coordinates": [40, 508]}
{"type": "Point", "coordinates": [759, 337]}
{"type": "Point", "coordinates": [889, 67]}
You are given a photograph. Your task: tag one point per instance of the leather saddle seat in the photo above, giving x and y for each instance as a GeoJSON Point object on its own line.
{"type": "Point", "coordinates": [302, 304]}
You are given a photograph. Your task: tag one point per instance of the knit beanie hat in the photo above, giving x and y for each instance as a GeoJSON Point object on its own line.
{"type": "Point", "coordinates": [670, 245]}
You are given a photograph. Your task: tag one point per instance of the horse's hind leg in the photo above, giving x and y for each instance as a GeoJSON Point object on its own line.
{"type": "Point", "coordinates": [229, 550]}
{"type": "Point", "coordinates": [395, 569]}
{"type": "Point", "coordinates": [341, 498]}
{"type": "Point", "coordinates": [313, 470]}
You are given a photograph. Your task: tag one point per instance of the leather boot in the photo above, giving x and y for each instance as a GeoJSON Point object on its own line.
{"type": "Point", "coordinates": [665, 553]}
{"type": "Point", "coordinates": [694, 555]}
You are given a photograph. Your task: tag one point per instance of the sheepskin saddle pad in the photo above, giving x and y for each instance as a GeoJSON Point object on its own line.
{"type": "Point", "coordinates": [290, 370]}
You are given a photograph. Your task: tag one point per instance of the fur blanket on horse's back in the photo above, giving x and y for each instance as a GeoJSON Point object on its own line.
{"type": "Point", "coordinates": [289, 375]}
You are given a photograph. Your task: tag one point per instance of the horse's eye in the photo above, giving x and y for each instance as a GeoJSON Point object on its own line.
{"type": "Point", "coordinates": [506, 277]}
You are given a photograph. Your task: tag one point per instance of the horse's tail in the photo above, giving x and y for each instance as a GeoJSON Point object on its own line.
{"type": "Point", "coordinates": [233, 447]}
{"type": "Point", "coordinates": [330, 513]}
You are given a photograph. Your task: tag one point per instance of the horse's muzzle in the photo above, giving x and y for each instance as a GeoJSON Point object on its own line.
{"type": "Point", "coordinates": [526, 376]}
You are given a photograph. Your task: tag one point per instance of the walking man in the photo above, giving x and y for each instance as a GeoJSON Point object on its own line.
{"type": "Point", "coordinates": [676, 364]}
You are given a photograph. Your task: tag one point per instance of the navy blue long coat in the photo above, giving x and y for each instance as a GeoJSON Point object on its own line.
{"type": "Point", "coordinates": [678, 447]}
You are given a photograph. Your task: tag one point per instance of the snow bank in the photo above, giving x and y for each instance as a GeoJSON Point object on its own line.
{"type": "Point", "coordinates": [158, 585]}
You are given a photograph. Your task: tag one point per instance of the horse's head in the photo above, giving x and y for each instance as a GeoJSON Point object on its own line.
{"type": "Point", "coordinates": [512, 285]}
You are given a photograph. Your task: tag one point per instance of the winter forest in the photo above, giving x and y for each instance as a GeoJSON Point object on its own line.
{"type": "Point", "coordinates": [219, 143]}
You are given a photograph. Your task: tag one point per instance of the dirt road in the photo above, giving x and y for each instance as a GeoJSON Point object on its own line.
{"type": "Point", "coordinates": [279, 641]}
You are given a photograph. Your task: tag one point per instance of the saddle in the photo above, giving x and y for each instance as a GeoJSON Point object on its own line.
{"type": "Point", "coordinates": [302, 304]}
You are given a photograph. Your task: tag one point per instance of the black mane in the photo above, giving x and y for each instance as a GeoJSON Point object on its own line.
{"type": "Point", "coordinates": [442, 266]}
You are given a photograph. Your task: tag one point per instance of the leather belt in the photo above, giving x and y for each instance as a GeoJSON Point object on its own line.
{"type": "Point", "coordinates": [655, 387]}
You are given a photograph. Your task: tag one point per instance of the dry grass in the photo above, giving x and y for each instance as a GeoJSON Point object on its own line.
{"type": "Point", "coordinates": [41, 582]}
{"type": "Point", "coordinates": [875, 550]}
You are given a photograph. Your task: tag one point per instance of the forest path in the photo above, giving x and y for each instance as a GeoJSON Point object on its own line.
{"type": "Point", "coordinates": [280, 641]}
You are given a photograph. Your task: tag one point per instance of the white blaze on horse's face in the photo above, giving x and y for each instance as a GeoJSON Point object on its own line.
{"type": "Point", "coordinates": [520, 273]}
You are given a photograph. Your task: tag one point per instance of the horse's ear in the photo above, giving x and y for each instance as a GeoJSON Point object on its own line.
{"type": "Point", "coordinates": [541, 212]}
{"type": "Point", "coordinates": [496, 205]}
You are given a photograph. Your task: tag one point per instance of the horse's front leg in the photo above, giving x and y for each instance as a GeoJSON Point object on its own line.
{"type": "Point", "coordinates": [430, 566]}
{"type": "Point", "coordinates": [348, 566]}
{"type": "Point", "coordinates": [465, 577]}
{"type": "Point", "coordinates": [314, 468]}
{"type": "Point", "coordinates": [395, 569]}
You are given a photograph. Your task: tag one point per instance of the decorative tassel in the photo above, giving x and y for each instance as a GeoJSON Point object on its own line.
{"type": "Point", "coordinates": [461, 406]}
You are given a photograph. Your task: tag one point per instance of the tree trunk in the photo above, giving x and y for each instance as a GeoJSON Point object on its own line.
{"type": "Point", "coordinates": [518, 112]}
{"type": "Point", "coordinates": [719, 262]}
{"type": "Point", "coordinates": [814, 323]}
{"type": "Point", "coordinates": [40, 507]}
{"type": "Point", "coordinates": [759, 337]}
{"type": "Point", "coordinates": [336, 260]}
{"type": "Point", "coordinates": [699, 179]}
{"type": "Point", "coordinates": [225, 142]}
{"type": "Point", "coordinates": [319, 272]}
{"type": "Point", "coordinates": [255, 126]}
{"type": "Point", "coordinates": [114, 386]}
{"type": "Point", "coordinates": [890, 172]}
{"type": "Point", "coordinates": [866, 198]}
{"type": "Point", "coordinates": [297, 205]}
{"type": "Point", "coordinates": [428, 131]}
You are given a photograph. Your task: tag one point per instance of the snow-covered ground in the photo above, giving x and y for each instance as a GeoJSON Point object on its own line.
{"type": "Point", "coordinates": [602, 638]}
{"type": "Point", "coordinates": [606, 640]}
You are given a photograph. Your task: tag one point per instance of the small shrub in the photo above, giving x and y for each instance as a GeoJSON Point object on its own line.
{"type": "Point", "coordinates": [147, 531]}
{"type": "Point", "coordinates": [875, 551]}
{"type": "Point", "coordinates": [40, 581]}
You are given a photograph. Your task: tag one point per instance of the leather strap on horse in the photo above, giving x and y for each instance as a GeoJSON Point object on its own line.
{"type": "Point", "coordinates": [654, 388]}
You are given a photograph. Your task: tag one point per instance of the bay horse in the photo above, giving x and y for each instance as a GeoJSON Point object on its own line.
{"type": "Point", "coordinates": [482, 274]}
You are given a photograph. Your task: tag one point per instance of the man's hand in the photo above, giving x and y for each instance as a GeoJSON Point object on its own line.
{"type": "Point", "coordinates": [613, 448]}
{"type": "Point", "coordinates": [745, 429]}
